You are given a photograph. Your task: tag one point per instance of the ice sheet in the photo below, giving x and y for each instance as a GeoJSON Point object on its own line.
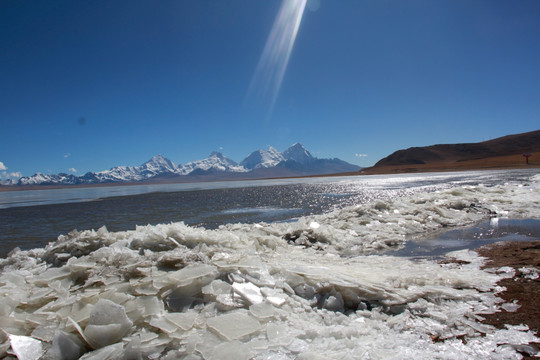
{"type": "Point", "coordinates": [305, 289]}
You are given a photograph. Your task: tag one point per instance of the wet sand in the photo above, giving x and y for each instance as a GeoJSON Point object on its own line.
{"type": "Point", "coordinates": [520, 288]}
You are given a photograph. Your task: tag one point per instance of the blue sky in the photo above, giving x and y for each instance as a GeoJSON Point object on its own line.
{"type": "Point", "coordinates": [88, 85]}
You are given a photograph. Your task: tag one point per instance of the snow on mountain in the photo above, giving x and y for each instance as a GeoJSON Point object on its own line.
{"type": "Point", "coordinates": [158, 165]}
{"type": "Point", "coordinates": [298, 153]}
{"type": "Point", "coordinates": [294, 161]}
{"type": "Point", "coordinates": [35, 179]}
{"type": "Point", "coordinates": [39, 179]}
{"type": "Point", "coordinates": [116, 174]}
{"type": "Point", "coordinates": [262, 159]}
{"type": "Point", "coordinates": [215, 162]}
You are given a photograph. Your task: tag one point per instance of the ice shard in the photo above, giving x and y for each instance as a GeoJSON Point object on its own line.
{"type": "Point", "coordinates": [107, 325]}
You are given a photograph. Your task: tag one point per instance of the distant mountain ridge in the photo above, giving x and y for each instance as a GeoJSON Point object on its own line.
{"type": "Point", "coordinates": [294, 161]}
{"type": "Point", "coordinates": [516, 144]}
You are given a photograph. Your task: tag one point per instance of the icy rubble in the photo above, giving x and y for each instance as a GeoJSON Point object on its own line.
{"type": "Point", "coordinates": [265, 291]}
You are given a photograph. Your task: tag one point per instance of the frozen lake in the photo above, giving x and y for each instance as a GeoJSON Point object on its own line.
{"type": "Point", "coordinates": [321, 269]}
{"type": "Point", "coordinates": [34, 218]}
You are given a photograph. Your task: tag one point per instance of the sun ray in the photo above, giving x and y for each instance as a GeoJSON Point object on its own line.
{"type": "Point", "coordinates": [270, 71]}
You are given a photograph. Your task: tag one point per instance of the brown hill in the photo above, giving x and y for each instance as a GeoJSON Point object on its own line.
{"type": "Point", "coordinates": [502, 152]}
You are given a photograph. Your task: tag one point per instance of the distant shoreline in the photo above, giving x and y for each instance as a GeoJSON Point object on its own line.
{"type": "Point", "coordinates": [504, 153]}
{"type": "Point", "coordinates": [508, 162]}
{"type": "Point", "coordinates": [503, 163]}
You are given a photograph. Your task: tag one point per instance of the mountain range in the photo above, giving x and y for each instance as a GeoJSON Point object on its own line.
{"type": "Point", "coordinates": [294, 161]}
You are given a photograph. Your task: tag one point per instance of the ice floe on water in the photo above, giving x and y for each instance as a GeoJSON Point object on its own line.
{"type": "Point", "coordinates": [308, 289]}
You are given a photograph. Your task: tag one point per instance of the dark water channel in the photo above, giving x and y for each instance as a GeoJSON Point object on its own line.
{"type": "Point", "coordinates": [473, 237]}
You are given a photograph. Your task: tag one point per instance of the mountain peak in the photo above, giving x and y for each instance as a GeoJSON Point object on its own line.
{"type": "Point", "coordinates": [158, 159]}
{"type": "Point", "coordinates": [217, 154]}
{"type": "Point", "coordinates": [158, 164]}
{"type": "Point", "coordinates": [262, 159]}
{"type": "Point", "coordinates": [298, 153]}
{"type": "Point", "coordinates": [216, 162]}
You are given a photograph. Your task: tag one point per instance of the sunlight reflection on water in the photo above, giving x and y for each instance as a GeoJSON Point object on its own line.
{"type": "Point", "coordinates": [207, 204]}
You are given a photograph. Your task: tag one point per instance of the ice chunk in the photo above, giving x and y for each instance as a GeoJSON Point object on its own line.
{"type": "Point", "coordinates": [298, 346]}
{"type": "Point", "coordinates": [226, 302]}
{"type": "Point", "coordinates": [80, 312]}
{"type": "Point", "coordinates": [306, 291]}
{"type": "Point", "coordinates": [110, 352]}
{"type": "Point", "coordinates": [184, 321]}
{"type": "Point", "coordinates": [249, 292]}
{"type": "Point", "coordinates": [277, 333]}
{"type": "Point", "coordinates": [7, 304]}
{"type": "Point", "coordinates": [193, 272]}
{"type": "Point", "coordinates": [215, 288]}
{"type": "Point", "coordinates": [164, 325]}
{"type": "Point", "coordinates": [334, 303]}
{"type": "Point", "coordinates": [529, 273]}
{"type": "Point", "coordinates": [276, 300]}
{"type": "Point", "coordinates": [107, 325]}
{"type": "Point", "coordinates": [234, 325]}
{"type": "Point", "coordinates": [151, 305]}
{"type": "Point", "coordinates": [25, 347]}
{"type": "Point", "coordinates": [102, 335]}
{"type": "Point", "coordinates": [189, 280]}
{"type": "Point", "coordinates": [45, 332]}
{"type": "Point", "coordinates": [222, 294]}
{"type": "Point", "coordinates": [511, 307]}
{"type": "Point", "coordinates": [176, 301]}
{"type": "Point", "coordinates": [263, 310]}
{"type": "Point", "coordinates": [173, 322]}
{"type": "Point", "coordinates": [133, 349]}
{"type": "Point", "coordinates": [65, 347]}
{"type": "Point", "coordinates": [233, 350]}
{"type": "Point", "coordinates": [51, 274]}
{"type": "Point", "coordinates": [275, 297]}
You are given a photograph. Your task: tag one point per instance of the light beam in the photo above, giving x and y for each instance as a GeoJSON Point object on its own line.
{"type": "Point", "coordinates": [266, 81]}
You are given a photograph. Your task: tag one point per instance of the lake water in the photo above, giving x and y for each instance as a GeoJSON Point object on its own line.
{"type": "Point", "coordinates": [33, 218]}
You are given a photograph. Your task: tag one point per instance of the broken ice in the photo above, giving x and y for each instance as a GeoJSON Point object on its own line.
{"type": "Point", "coordinates": [306, 289]}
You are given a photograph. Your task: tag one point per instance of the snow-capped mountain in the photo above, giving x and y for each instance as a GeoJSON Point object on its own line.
{"type": "Point", "coordinates": [262, 159]}
{"type": "Point", "coordinates": [215, 162]}
{"type": "Point", "coordinates": [39, 179]}
{"type": "Point", "coordinates": [297, 152]}
{"type": "Point", "coordinates": [294, 161]}
{"type": "Point", "coordinates": [158, 165]}
{"type": "Point", "coordinates": [117, 174]}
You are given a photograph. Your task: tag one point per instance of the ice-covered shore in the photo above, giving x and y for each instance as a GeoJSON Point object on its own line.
{"type": "Point", "coordinates": [308, 289]}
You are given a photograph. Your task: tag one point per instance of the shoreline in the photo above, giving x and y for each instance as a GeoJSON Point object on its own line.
{"type": "Point", "coordinates": [385, 170]}
{"type": "Point", "coordinates": [522, 288]}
